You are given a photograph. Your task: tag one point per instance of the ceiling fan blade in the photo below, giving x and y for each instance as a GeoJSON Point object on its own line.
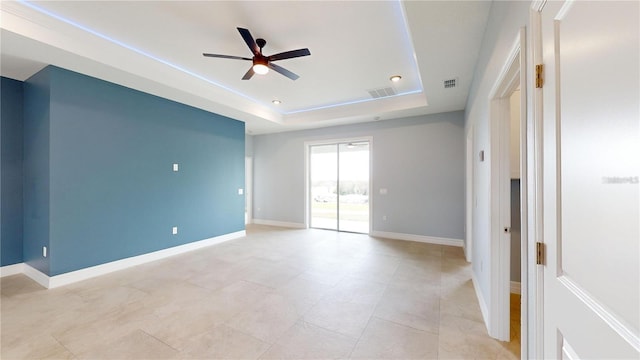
{"type": "Point", "coordinates": [227, 56]}
{"type": "Point", "coordinates": [249, 74]}
{"type": "Point", "coordinates": [246, 35]}
{"type": "Point", "coordinates": [289, 54]}
{"type": "Point", "coordinates": [283, 71]}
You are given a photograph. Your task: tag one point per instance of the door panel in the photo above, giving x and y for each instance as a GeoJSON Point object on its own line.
{"type": "Point", "coordinates": [591, 167]}
{"type": "Point", "coordinates": [353, 187]}
{"type": "Point", "coordinates": [323, 175]}
{"type": "Point", "coordinates": [595, 152]}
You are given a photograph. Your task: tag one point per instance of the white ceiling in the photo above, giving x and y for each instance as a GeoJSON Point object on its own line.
{"type": "Point", "coordinates": [157, 46]}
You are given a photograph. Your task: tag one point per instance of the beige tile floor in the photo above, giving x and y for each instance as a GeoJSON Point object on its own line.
{"type": "Point", "coordinates": [275, 294]}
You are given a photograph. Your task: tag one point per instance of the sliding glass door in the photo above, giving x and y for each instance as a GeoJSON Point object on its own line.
{"type": "Point", "coordinates": [324, 186]}
{"type": "Point", "coordinates": [339, 186]}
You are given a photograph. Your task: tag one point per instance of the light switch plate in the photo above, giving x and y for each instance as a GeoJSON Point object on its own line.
{"type": "Point", "coordinates": [174, 231]}
{"type": "Point", "coordinates": [240, 191]}
{"type": "Point", "coordinates": [175, 167]}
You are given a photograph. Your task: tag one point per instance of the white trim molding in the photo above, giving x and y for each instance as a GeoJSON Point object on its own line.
{"type": "Point", "coordinates": [419, 238]}
{"type": "Point", "coordinates": [51, 282]}
{"type": "Point", "coordinates": [14, 269]}
{"type": "Point", "coordinates": [36, 275]}
{"type": "Point", "coordinates": [279, 224]}
{"type": "Point", "coordinates": [617, 324]}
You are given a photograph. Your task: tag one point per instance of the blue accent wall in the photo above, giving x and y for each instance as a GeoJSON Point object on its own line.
{"type": "Point", "coordinates": [36, 170]}
{"type": "Point", "coordinates": [11, 130]}
{"type": "Point", "coordinates": [111, 189]}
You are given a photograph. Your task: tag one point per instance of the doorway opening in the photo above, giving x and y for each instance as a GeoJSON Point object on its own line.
{"type": "Point", "coordinates": [515, 193]}
{"type": "Point", "coordinates": [509, 244]}
{"type": "Point", "coordinates": [339, 186]}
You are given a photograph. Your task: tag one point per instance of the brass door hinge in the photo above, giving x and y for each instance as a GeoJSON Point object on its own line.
{"type": "Point", "coordinates": [539, 76]}
{"type": "Point", "coordinates": [540, 253]}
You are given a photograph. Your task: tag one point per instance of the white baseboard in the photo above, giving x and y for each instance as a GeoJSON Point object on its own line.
{"type": "Point", "coordinates": [483, 304]}
{"type": "Point", "coordinates": [419, 238]}
{"type": "Point", "coordinates": [279, 223]}
{"type": "Point", "coordinates": [102, 269]}
{"type": "Point", "coordinates": [36, 275]}
{"type": "Point", "coordinates": [515, 287]}
{"type": "Point", "coordinates": [9, 270]}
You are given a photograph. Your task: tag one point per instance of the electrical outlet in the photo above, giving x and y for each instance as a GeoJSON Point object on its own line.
{"type": "Point", "coordinates": [44, 251]}
{"type": "Point", "coordinates": [174, 231]}
{"type": "Point", "coordinates": [240, 191]}
{"type": "Point", "coordinates": [175, 167]}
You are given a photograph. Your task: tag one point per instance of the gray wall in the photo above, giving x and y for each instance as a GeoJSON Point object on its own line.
{"type": "Point", "coordinates": [420, 161]}
{"type": "Point", "coordinates": [248, 146]}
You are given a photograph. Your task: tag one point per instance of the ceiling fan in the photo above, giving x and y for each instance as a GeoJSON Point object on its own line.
{"type": "Point", "coordinates": [262, 63]}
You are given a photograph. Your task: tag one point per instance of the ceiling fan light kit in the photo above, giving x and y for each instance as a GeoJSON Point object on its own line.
{"type": "Point", "coordinates": [262, 63]}
{"type": "Point", "coordinates": [260, 68]}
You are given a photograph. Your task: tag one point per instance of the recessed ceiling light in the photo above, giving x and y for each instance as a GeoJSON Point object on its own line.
{"type": "Point", "coordinates": [276, 102]}
{"type": "Point", "coordinates": [395, 78]}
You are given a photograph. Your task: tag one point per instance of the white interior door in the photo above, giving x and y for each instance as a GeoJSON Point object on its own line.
{"type": "Point", "coordinates": [591, 164]}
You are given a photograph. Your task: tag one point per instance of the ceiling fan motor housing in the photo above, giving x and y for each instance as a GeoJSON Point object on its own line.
{"type": "Point", "coordinates": [260, 60]}
{"type": "Point", "coordinates": [261, 63]}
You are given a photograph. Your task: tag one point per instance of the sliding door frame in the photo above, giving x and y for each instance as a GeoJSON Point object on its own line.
{"type": "Point", "coordinates": [307, 177]}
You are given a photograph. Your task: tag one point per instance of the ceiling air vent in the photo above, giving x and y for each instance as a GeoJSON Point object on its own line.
{"type": "Point", "coordinates": [451, 83]}
{"type": "Point", "coordinates": [382, 92]}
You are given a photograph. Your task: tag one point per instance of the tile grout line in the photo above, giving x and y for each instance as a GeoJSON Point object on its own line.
{"type": "Point", "coordinates": [152, 336]}
{"type": "Point", "coordinates": [64, 346]}
{"type": "Point", "coordinates": [372, 313]}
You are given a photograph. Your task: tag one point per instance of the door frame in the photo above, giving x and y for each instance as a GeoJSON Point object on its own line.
{"type": "Point", "coordinates": [512, 76]}
{"type": "Point", "coordinates": [535, 231]}
{"type": "Point", "coordinates": [307, 178]}
{"type": "Point", "coordinates": [470, 195]}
